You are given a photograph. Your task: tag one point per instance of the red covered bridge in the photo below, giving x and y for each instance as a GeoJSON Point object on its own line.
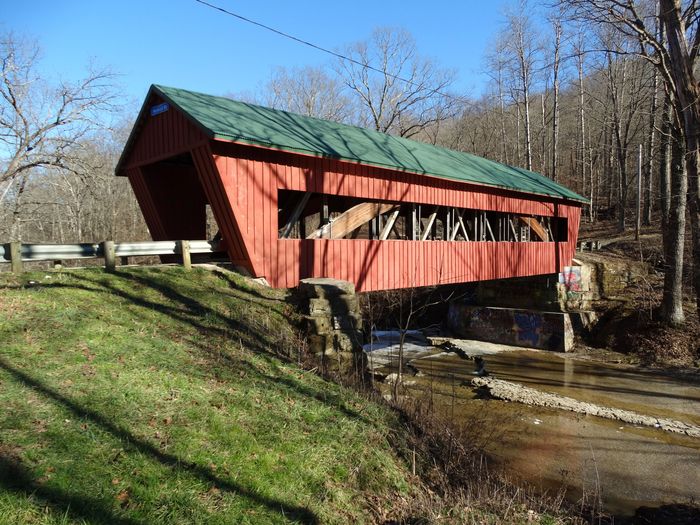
{"type": "Point", "coordinates": [297, 197]}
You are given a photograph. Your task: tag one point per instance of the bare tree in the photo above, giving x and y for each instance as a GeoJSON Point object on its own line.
{"type": "Point", "coordinates": [675, 57]}
{"type": "Point", "coordinates": [557, 27]}
{"type": "Point", "coordinates": [651, 138]}
{"type": "Point", "coordinates": [476, 131]}
{"type": "Point", "coordinates": [309, 91]}
{"type": "Point", "coordinates": [683, 37]}
{"type": "Point", "coordinates": [397, 90]}
{"type": "Point", "coordinates": [85, 202]}
{"type": "Point", "coordinates": [524, 53]}
{"type": "Point", "coordinates": [42, 125]}
{"type": "Point", "coordinates": [674, 187]}
{"type": "Point", "coordinates": [580, 59]}
{"type": "Point", "coordinates": [496, 61]}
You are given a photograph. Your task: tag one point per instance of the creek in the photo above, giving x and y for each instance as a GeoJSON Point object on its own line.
{"type": "Point", "coordinates": [614, 465]}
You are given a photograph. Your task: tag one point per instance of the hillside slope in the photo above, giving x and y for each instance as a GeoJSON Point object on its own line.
{"type": "Point", "coordinates": [155, 395]}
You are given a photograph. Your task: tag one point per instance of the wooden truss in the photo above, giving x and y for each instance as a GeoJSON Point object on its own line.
{"type": "Point", "coordinates": [350, 220]}
{"type": "Point", "coordinates": [383, 221]}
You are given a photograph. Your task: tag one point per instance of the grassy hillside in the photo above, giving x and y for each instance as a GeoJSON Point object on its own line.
{"type": "Point", "coordinates": [155, 396]}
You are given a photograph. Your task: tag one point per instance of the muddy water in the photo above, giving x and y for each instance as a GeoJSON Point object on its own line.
{"type": "Point", "coordinates": [625, 466]}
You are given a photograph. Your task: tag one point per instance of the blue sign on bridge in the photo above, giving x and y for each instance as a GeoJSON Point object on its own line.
{"type": "Point", "coordinates": [160, 108]}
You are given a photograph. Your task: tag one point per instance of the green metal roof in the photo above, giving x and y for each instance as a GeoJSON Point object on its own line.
{"type": "Point", "coordinates": [226, 119]}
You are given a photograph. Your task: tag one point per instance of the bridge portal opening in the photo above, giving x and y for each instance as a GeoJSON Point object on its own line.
{"type": "Point", "coordinates": [180, 204]}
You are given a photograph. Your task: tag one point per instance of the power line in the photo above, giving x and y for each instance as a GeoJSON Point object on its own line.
{"type": "Point", "coordinates": [323, 49]}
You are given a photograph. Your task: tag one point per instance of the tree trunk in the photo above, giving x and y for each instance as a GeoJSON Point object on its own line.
{"type": "Point", "coordinates": [649, 166]}
{"type": "Point", "coordinates": [525, 80]}
{"type": "Point", "coordinates": [543, 155]}
{"type": "Point", "coordinates": [693, 197]}
{"type": "Point", "coordinates": [609, 165]}
{"type": "Point", "coordinates": [528, 137]}
{"type": "Point", "coordinates": [674, 186]}
{"type": "Point", "coordinates": [594, 189]}
{"type": "Point", "coordinates": [517, 134]}
{"type": "Point", "coordinates": [504, 137]}
{"type": "Point", "coordinates": [16, 227]}
{"type": "Point", "coordinates": [555, 108]}
{"type": "Point", "coordinates": [687, 103]}
{"type": "Point", "coordinates": [620, 142]}
{"type": "Point", "coordinates": [581, 123]}
{"type": "Point", "coordinates": [622, 181]}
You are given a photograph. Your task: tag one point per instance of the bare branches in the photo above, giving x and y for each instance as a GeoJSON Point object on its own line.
{"type": "Point", "coordinates": [409, 94]}
{"type": "Point", "coordinates": [40, 124]}
{"type": "Point", "coordinates": [308, 91]}
{"type": "Point", "coordinates": [629, 19]}
{"type": "Point", "coordinates": [673, 50]}
{"type": "Point", "coordinates": [523, 54]}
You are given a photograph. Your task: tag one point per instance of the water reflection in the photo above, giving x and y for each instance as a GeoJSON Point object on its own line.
{"type": "Point", "coordinates": [625, 465]}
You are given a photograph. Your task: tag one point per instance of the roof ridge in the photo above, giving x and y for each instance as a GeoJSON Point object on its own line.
{"type": "Point", "coordinates": [229, 119]}
{"type": "Point", "coordinates": [337, 123]}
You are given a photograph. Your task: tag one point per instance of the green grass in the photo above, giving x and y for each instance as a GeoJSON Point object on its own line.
{"type": "Point", "coordinates": [155, 395]}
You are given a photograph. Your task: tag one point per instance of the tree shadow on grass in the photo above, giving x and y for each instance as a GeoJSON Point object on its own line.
{"type": "Point", "coordinates": [191, 311]}
{"type": "Point", "coordinates": [92, 508]}
{"type": "Point", "coordinates": [14, 477]}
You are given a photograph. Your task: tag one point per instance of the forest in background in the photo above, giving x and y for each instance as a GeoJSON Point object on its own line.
{"type": "Point", "coordinates": [589, 93]}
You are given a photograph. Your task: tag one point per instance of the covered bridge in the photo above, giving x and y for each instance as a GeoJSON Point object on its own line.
{"type": "Point", "coordinates": [297, 197]}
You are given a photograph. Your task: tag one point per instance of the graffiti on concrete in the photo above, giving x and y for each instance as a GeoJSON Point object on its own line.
{"type": "Point", "coordinates": [532, 329]}
{"type": "Point", "coordinates": [528, 328]}
{"type": "Point", "coordinates": [571, 278]}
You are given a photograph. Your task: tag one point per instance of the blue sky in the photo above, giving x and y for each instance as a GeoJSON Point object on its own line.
{"type": "Point", "coordinates": [185, 44]}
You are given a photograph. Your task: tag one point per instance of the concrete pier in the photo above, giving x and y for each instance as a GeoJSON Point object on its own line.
{"type": "Point", "coordinates": [510, 326]}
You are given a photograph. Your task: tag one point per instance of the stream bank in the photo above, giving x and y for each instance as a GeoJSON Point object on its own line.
{"type": "Point", "coordinates": [622, 464]}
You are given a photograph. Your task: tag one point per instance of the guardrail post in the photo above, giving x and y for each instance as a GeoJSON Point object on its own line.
{"type": "Point", "coordinates": [16, 256]}
{"type": "Point", "coordinates": [109, 255]}
{"type": "Point", "coordinates": [185, 252]}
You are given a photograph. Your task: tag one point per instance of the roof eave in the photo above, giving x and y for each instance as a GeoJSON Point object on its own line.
{"type": "Point", "coordinates": [310, 153]}
{"type": "Point", "coordinates": [132, 135]}
{"type": "Point", "coordinates": [155, 89]}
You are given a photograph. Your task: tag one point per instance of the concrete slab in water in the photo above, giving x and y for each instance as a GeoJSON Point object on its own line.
{"type": "Point", "coordinates": [509, 326]}
{"type": "Point", "coordinates": [387, 354]}
{"type": "Point", "coordinates": [472, 348]}
{"type": "Point", "coordinates": [385, 348]}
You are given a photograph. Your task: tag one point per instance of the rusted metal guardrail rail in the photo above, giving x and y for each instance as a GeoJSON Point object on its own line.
{"type": "Point", "coordinates": [17, 253]}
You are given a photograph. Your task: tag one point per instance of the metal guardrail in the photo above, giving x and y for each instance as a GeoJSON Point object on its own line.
{"type": "Point", "coordinates": [59, 252]}
{"type": "Point", "coordinates": [127, 249]}
{"type": "Point", "coordinates": [589, 245]}
{"type": "Point", "coordinates": [50, 252]}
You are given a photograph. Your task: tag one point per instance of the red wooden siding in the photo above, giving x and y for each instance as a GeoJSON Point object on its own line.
{"type": "Point", "coordinates": [161, 136]}
{"type": "Point", "coordinates": [377, 265]}
{"type": "Point", "coordinates": [221, 192]}
{"type": "Point", "coordinates": [241, 183]}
